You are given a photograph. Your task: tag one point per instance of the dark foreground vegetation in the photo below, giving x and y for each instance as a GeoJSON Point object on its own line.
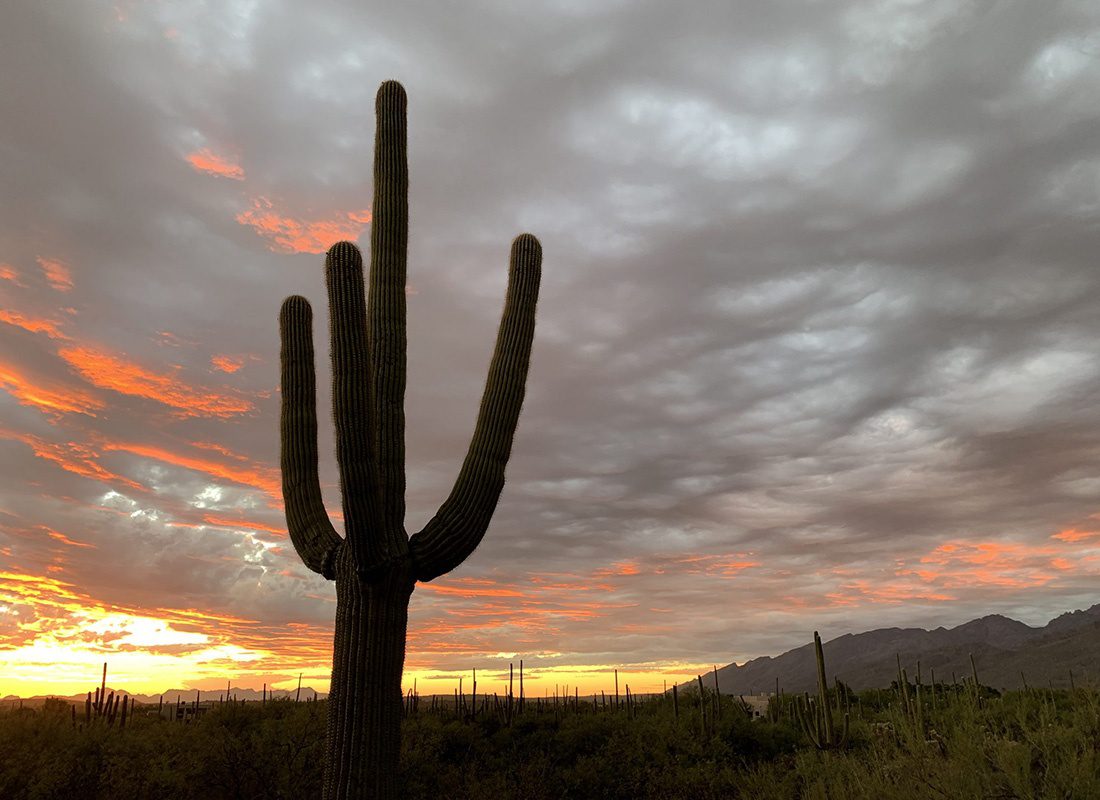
{"type": "Point", "coordinates": [947, 741]}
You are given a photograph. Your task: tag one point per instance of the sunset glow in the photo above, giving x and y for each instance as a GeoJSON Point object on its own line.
{"type": "Point", "coordinates": [815, 346]}
{"type": "Point", "coordinates": [53, 639]}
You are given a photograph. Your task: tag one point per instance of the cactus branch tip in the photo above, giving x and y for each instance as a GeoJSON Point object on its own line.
{"type": "Point", "coordinates": [295, 304]}
{"type": "Point", "coordinates": [527, 247]}
{"type": "Point", "coordinates": [391, 95]}
{"type": "Point", "coordinates": [527, 240]}
{"type": "Point", "coordinates": [343, 250]}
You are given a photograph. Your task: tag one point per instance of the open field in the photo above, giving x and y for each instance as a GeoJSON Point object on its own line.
{"type": "Point", "coordinates": [952, 742]}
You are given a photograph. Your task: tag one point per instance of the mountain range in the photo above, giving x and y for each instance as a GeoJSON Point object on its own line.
{"type": "Point", "coordinates": [1006, 653]}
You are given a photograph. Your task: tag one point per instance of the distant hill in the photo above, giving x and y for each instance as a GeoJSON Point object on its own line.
{"type": "Point", "coordinates": [1003, 649]}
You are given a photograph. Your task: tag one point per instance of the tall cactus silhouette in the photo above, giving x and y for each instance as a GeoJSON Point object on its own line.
{"type": "Point", "coordinates": [376, 564]}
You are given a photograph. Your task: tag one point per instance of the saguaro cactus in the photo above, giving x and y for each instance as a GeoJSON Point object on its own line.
{"type": "Point", "coordinates": [376, 565]}
{"type": "Point", "coordinates": [815, 715]}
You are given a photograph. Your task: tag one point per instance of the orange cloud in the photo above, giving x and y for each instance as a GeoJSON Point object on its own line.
{"type": "Point", "coordinates": [228, 364]}
{"type": "Point", "coordinates": [109, 371]}
{"type": "Point", "coordinates": [9, 273]}
{"type": "Point", "coordinates": [1008, 565]}
{"type": "Point", "coordinates": [229, 522]}
{"type": "Point", "coordinates": [174, 340]}
{"type": "Point", "coordinates": [73, 457]}
{"type": "Point", "coordinates": [220, 448]}
{"type": "Point", "coordinates": [471, 588]}
{"type": "Point", "coordinates": [58, 274]}
{"type": "Point", "coordinates": [32, 324]}
{"type": "Point", "coordinates": [725, 565]}
{"type": "Point", "coordinates": [294, 235]}
{"type": "Point", "coordinates": [53, 400]}
{"type": "Point", "coordinates": [472, 616]}
{"type": "Point", "coordinates": [619, 568]}
{"type": "Point", "coordinates": [854, 593]}
{"type": "Point", "coordinates": [265, 479]}
{"type": "Point", "coordinates": [63, 538]}
{"type": "Point", "coordinates": [211, 163]}
{"type": "Point", "coordinates": [1074, 535]}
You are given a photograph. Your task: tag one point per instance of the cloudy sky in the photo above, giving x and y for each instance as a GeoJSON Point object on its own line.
{"type": "Point", "coordinates": [816, 347]}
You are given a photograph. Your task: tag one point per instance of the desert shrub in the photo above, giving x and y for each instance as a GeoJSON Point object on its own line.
{"type": "Point", "coordinates": [1034, 744]}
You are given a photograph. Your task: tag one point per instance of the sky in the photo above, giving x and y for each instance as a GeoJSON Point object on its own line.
{"type": "Point", "coordinates": [816, 346]}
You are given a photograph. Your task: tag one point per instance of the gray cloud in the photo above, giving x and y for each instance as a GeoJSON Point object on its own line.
{"type": "Point", "coordinates": [820, 295]}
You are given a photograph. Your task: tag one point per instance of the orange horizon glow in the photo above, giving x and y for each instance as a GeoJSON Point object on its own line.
{"type": "Point", "coordinates": [69, 635]}
{"type": "Point", "coordinates": [54, 638]}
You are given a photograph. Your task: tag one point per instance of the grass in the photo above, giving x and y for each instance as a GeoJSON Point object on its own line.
{"type": "Point", "coordinates": [1025, 744]}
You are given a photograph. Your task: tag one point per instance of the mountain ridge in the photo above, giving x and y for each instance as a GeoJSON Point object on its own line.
{"type": "Point", "coordinates": [1006, 652]}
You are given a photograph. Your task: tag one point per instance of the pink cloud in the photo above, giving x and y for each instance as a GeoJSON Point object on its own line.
{"type": "Point", "coordinates": [211, 163]}
{"type": "Point", "coordinates": [58, 274]}
{"type": "Point", "coordinates": [225, 363]}
{"type": "Point", "coordinates": [9, 273]}
{"type": "Point", "coordinates": [296, 235]}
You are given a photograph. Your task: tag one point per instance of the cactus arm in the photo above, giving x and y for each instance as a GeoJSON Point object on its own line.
{"type": "Point", "coordinates": [311, 532]}
{"type": "Point", "coordinates": [386, 312]}
{"type": "Point", "coordinates": [808, 719]}
{"type": "Point", "coordinates": [459, 525]}
{"type": "Point", "coordinates": [351, 389]}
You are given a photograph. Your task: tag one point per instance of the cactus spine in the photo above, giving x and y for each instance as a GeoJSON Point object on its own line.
{"type": "Point", "coordinates": [375, 565]}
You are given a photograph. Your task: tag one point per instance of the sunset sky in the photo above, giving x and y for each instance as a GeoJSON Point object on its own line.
{"type": "Point", "coordinates": [817, 345]}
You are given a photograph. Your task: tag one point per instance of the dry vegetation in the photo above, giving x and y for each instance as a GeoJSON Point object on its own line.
{"type": "Point", "coordinates": [953, 741]}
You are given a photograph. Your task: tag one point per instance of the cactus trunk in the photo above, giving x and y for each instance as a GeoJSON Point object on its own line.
{"type": "Point", "coordinates": [823, 687]}
{"type": "Point", "coordinates": [364, 713]}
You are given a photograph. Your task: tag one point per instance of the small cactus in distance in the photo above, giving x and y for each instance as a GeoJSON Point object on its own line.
{"type": "Point", "coordinates": [376, 565]}
{"type": "Point", "coordinates": [814, 714]}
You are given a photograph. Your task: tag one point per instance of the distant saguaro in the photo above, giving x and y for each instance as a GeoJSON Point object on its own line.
{"type": "Point", "coordinates": [376, 564]}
